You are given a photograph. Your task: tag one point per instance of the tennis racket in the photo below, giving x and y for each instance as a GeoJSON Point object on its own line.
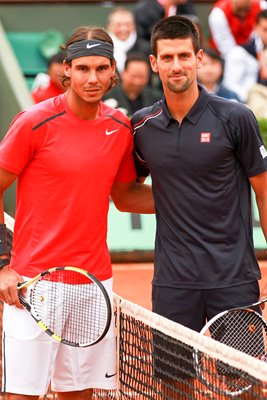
{"type": "Point", "coordinates": [69, 304]}
{"type": "Point", "coordinates": [244, 329]}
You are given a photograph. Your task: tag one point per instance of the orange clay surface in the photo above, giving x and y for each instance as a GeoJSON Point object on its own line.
{"type": "Point", "coordinates": [133, 282]}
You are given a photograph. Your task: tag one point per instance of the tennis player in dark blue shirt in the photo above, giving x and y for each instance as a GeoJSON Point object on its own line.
{"type": "Point", "coordinates": [204, 153]}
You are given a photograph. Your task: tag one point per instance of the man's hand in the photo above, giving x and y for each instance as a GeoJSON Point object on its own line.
{"type": "Point", "coordinates": [9, 280]}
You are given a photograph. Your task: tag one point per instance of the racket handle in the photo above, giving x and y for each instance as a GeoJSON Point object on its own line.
{"type": "Point", "coordinates": [24, 302]}
{"type": "Point", "coordinates": [21, 284]}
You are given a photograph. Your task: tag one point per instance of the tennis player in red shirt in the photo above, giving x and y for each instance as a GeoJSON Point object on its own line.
{"type": "Point", "coordinates": [69, 154]}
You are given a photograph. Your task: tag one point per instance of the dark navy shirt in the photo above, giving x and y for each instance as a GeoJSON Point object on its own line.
{"type": "Point", "coordinates": [199, 172]}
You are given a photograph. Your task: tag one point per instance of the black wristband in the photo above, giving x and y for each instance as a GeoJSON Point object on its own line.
{"type": "Point", "coordinates": [3, 240]}
{"type": "Point", "coordinates": [4, 262]}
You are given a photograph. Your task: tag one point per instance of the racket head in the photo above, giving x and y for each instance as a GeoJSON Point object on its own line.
{"type": "Point", "coordinates": [243, 329]}
{"type": "Point", "coordinates": [69, 304]}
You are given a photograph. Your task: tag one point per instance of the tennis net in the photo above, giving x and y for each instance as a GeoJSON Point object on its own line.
{"type": "Point", "coordinates": [159, 359]}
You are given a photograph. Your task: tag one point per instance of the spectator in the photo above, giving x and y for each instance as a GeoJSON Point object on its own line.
{"type": "Point", "coordinates": [148, 12]}
{"type": "Point", "coordinates": [121, 28]}
{"type": "Point", "coordinates": [232, 22]}
{"type": "Point", "coordinates": [133, 93]}
{"type": "Point", "coordinates": [244, 65]}
{"type": "Point", "coordinates": [211, 73]}
{"type": "Point", "coordinates": [49, 85]}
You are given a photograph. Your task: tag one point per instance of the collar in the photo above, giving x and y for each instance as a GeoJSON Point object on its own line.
{"type": "Point", "coordinates": [194, 114]}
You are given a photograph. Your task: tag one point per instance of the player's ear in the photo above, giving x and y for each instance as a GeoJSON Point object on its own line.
{"type": "Point", "coordinates": [199, 57]}
{"type": "Point", "coordinates": [66, 68]}
{"type": "Point", "coordinates": [153, 63]}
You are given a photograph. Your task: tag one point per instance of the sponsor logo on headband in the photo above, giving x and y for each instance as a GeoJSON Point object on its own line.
{"type": "Point", "coordinates": [90, 46]}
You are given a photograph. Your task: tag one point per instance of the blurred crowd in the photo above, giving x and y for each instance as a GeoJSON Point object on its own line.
{"type": "Point", "coordinates": [235, 48]}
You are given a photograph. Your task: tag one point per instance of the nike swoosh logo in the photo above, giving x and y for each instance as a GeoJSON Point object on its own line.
{"type": "Point", "coordinates": [90, 46]}
{"type": "Point", "coordinates": [110, 376]}
{"type": "Point", "coordinates": [110, 132]}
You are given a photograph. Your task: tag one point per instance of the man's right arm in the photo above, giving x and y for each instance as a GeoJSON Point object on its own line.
{"type": "Point", "coordinates": [8, 277]}
{"type": "Point", "coordinates": [6, 180]}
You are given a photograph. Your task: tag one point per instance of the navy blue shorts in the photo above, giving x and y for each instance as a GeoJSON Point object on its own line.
{"type": "Point", "coordinates": [192, 308]}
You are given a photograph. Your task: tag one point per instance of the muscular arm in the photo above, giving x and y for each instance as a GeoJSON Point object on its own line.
{"type": "Point", "coordinates": [133, 197]}
{"type": "Point", "coordinates": [6, 179]}
{"type": "Point", "coordinates": [8, 277]}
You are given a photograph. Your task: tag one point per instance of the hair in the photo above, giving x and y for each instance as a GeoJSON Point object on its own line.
{"type": "Point", "coordinates": [139, 57]}
{"type": "Point", "coordinates": [85, 33]}
{"type": "Point", "coordinates": [261, 15]}
{"type": "Point", "coordinates": [174, 27]}
{"type": "Point", "coordinates": [57, 58]}
{"type": "Point", "coordinates": [214, 55]}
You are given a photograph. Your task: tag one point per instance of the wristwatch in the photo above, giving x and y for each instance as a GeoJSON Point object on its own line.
{"type": "Point", "coordinates": [4, 262]}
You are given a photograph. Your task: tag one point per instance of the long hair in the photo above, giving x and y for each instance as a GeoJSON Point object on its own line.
{"type": "Point", "coordinates": [84, 33]}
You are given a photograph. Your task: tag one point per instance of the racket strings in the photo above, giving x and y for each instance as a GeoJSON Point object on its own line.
{"type": "Point", "coordinates": [74, 310]}
{"type": "Point", "coordinates": [245, 331]}
{"type": "Point", "coordinates": [241, 329]}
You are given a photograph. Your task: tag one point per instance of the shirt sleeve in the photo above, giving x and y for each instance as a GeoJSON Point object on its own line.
{"type": "Point", "coordinates": [141, 168]}
{"type": "Point", "coordinates": [127, 172]}
{"type": "Point", "coordinates": [250, 150]}
{"type": "Point", "coordinates": [17, 147]}
{"type": "Point", "coordinates": [220, 30]}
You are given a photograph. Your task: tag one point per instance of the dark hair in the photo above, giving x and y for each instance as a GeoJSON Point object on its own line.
{"type": "Point", "coordinates": [261, 15]}
{"type": "Point", "coordinates": [214, 55]}
{"type": "Point", "coordinates": [133, 56]}
{"type": "Point", "coordinates": [89, 32]}
{"type": "Point", "coordinates": [174, 27]}
{"type": "Point", "coordinates": [57, 58]}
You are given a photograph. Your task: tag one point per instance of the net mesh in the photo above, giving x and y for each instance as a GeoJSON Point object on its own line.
{"type": "Point", "coordinates": [161, 360]}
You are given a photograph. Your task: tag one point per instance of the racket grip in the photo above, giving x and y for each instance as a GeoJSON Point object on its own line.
{"type": "Point", "coordinates": [24, 302]}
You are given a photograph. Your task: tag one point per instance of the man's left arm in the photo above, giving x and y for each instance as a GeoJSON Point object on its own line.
{"type": "Point", "coordinates": [259, 185]}
{"type": "Point", "coordinates": [133, 197]}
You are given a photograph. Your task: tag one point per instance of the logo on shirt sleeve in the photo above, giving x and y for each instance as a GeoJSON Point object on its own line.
{"type": "Point", "coordinates": [263, 151]}
{"type": "Point", "coordinates": [205, 137]}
